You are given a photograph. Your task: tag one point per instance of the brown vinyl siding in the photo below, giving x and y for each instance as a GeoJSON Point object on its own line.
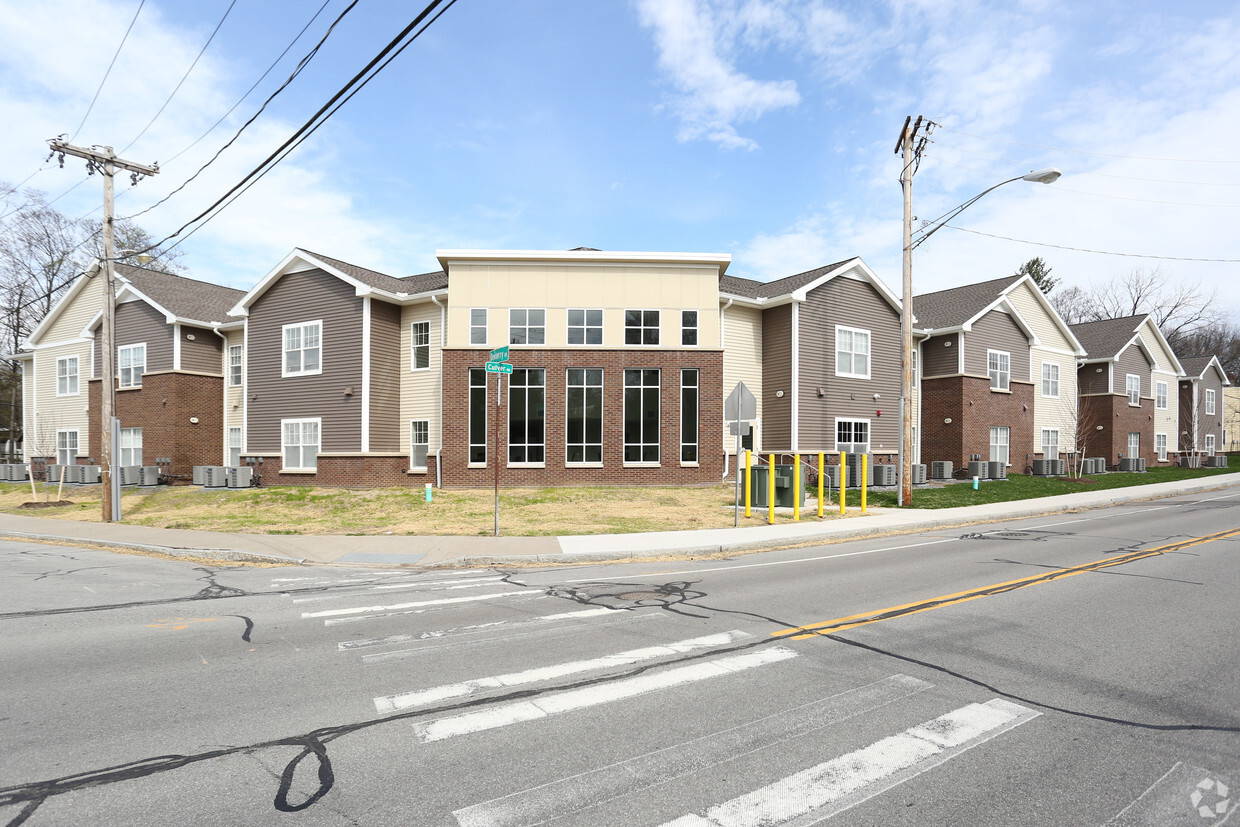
{"type": "Point", "coordinates": [384, 376]}
{"type": "Point", "coordinates": [941, 360]}
{"type": "Point", "coordinates": [137, 323]}
{"type": "Point", "coordinates": [202, 354]}
{"type": "Point", "coordinates": [996, 331]}
{"type": "Point", "coordinates": [305, 297]}
{"type": "Point", "coordinates": [1132, 360]}
{"type": "Point", "coordinates": [777, 376]}
{"type": "Point", "coordinates": [856, 304]}
{"type": "Point", "coordinates": [1091, 381]}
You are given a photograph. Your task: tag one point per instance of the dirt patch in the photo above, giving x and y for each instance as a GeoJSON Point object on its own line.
{"type": "Point", "coordinates": [54, 504]}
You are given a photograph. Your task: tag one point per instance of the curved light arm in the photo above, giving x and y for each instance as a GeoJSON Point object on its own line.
{"type": "Point", "coordinates": [1041, 176]}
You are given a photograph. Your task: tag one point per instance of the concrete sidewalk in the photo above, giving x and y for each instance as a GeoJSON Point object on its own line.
{"type": "Point", "coordinates": [430, 551]}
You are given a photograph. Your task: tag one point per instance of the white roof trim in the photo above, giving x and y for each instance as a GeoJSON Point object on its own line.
{"type": "Point", "coordinates": [76, 287]}
{"type": "Point", "coordinates": [721, 260]}
{"type": "Point", "coordinates": [1217, 365]}
{"type": "Point", "coordinates": [1050, 311]}
{"type": "Point", "coordinates": [854, 263]}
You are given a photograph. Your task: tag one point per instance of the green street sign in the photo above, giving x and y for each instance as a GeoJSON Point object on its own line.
{"type": "Point", "coordinates": [500, 354]}
{"type": "Point", "coordinates": [499, 367]}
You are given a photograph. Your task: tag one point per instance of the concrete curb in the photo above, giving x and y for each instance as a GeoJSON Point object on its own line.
{"type": "Point", "coordinates": [172, 551]}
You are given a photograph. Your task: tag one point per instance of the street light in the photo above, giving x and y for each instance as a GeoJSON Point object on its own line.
{"type": "Point", "coordinates": [907, 137]}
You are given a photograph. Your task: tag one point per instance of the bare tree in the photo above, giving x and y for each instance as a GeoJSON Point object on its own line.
{"type": "Point", "coordinates": [1073, 305]}
{"type": "Point", "coordinates": [1179, 308]}
{"type": "Point", "coordinates": [1221, 339]}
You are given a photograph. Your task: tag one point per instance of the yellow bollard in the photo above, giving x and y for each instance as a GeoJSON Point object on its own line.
{"type": "Point", "coordinates": [820, 469]}
{"type": "Point", "coordinates": [770, 489]}
{"type": "Point", "coordinates": [748, 479]}
{"type": "Point", "coordinates": [843, 479]}
{"type": "Point", "coordinates": [796, 488]}
{"type": "Point", "coordinates": [863, 456]}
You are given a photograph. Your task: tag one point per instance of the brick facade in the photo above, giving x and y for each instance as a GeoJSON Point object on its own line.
{"type": "Point", "coordinates": [973, 409]}
{"type": "Point", "coordinates": [709, 469]}
{"type": "Point", "coordinates": [358, 471]}
{"type": "Point", "coordinates": [163, 408]}
{"type": "Point", "coordinates": [1118, 419]}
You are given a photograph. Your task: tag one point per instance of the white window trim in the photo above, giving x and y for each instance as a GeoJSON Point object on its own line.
{"type": "Point", "coordinates": [300, 420]}
{"type": "Point", "coordinates": [508, 423]}
{"type": "Point", "coordinates": [638, 463]}
{"type": "Point", "coordinates": [1005, 430]}
{"type": "Point", "coordinates": [425, 465]}
{"type": "Point", "coordinates": [658, 328]}
{"type": "Point", "coordinates": [602, 386]}
{"type": "Point", "coordinates": [1128, 389]}
{"type": "Point", "coordinates": [487, 404]}
{"type": "Point", "coordinates": [1130, 453]}
{"type": "Point", "coordinates": [131, 432]}
{"type": "Point", "coordinates": [486, 326]}
{"type": "Point", "coordinates": [1210, 445]}
{"type": "Point", "coordinates": [1160, 395]}
{"type": "Point", "coordinates": [240, 446]}
{"type": "Point", "coordinates": [1043, 444]}
{"type": "Point", "coordinates": [869, 352]}
{"type": "Point", "coordinates": [77, 376]}
{"type": "Point", "coordinates": [1005, 386]}
{"type": "Point", "coordinates": [1045, 380]}
{"type": "Point", "coordinates": [696, 328]}
{"type": "Point", "coordinates": [127, 347]}
{"type": "Point", "coordinates": [1211, 402]}
{"type": "Point", "coordinates": [695, 463]}
{"type": "Point", "coordinates": [1162, 452]}
{"type": "Point", "coordinates": [528, 327]}
{"type": "Point", "coordinates": [413, 347]}
{"type": "Point", "coordinates": [284, 372]}
{"type": "Point", "coordinates": [240, 365]}
{"type": "Point", "coordinates": [77, 447]}
{"type": "Point", "coordinates": [868, 432]}
{"type": "Point", "coordinates": [585, 326]}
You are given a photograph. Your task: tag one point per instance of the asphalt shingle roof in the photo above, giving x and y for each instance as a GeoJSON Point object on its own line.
{"type": "Point", "coordinates": [1104, 339]}
{"type": "Point", "coordinates": [420, 283]}
{"type": "Point", "coordinates": [184, 297]}
{"type": "Point", "coordinates": [954, 307]}
{"type": "Point", "coordinates": [1195, 365]}
{"type": "Point", "coordinates": [751, 289]}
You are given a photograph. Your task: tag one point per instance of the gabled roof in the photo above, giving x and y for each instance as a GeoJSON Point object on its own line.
{"type": "Point", "coordinates": [179, 298]}
{"type": "Point", "coordinates": [958, 306]}
{"type": "Point", "coordinates": [365, 282]}
{"type": "Point", "coordinates": [797, 287]}
{"type": "Point", "coordinates": [1105, 338]}
{"type": "Point", "coordinates": [1196, 367]}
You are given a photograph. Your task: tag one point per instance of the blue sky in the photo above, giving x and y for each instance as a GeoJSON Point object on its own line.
{"type": "Point", "coordinates": [763, 129]}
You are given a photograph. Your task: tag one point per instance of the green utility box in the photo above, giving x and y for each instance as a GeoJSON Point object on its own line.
{"type": "Point", "coordinates": [784, 495]}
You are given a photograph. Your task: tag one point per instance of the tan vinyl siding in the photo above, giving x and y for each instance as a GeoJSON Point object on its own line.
{"type": "Point", "coordinates": [941, 360]}
{"type": "Point", "coordinates": [58, 412]}
{"type": "Point", "coordinates": [1168, 421]}
{"type": "Point", "coordinates": [742, 361]}
{"type": "Point", "coordinates": [74, 317]}
{"type": "Point", "coordinates": [777, 376]}
{"type": "Point", "coordinates": [856, 304]}
{"type": "Point", "coordinates": [1164, 360]}
{"type": "Point", "coordinates": [307, 296]}
{"type": "Point", "coordinates": [419, 390]}
{"type": "Point", "coordinates": [234, 397]}
{"type": "Point", "coordinates": [202, 354]}
{"type": "Point", "coordinates": [1055, 413]}
{"type": "Point", "coordinates": [996, 331]}
{"type": "Point", "coordinates": [385, 341]}
{"type": "Point", "coordinates": [1038, 318]}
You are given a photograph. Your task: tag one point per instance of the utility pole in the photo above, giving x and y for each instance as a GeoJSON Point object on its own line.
{"type": "Point", "coordinates": [103, 159]}
{"type": "Point", "coordinates": [909, 155]}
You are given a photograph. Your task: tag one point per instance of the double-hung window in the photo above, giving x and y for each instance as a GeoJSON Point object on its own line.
{"type": "Point", "coordinates": [527, 396]}
{"type": "Point", "coordinates": [1133, 387]}
{"type": "Point", "coordinates": [477, 416]}
{"type": "Point", "coordinates": [585, 326]}
{"type": "Point", "coordinates": [1210, 403]}
{"type": "Point", "coordinates": [234, 366]}
{"type": "Point", "coordinates": [1134, 444]}
{"type": "Point", "coordinates": [234, 447]}
{"type": "Point", "coordinates": [689, 415]}
{"type": "Point", "coordinates": [1160, 396]}
{"type": "Point", "coordinates": [1160, 446]}
{"type": "Point", "coordinates": [477, 325]}
{"type": "Point", "coordinates": [67, 376]}
{"type": "Point", "coordinates": [689, 328]}
{"type": "Point", "coordinates": [1209, 445]}
{"type": "Point", "coordinates": [299, 443]}
{"type": "Point", "coordinates": [584, 416]}
{"type": "Point", "coordinates": [1050, 443]}
{"type": "Point", "coordinates": [131, 361]}
{"type": "Point", "coordinates": [852, 352]}
{"type": "Point", "coordinates": [420, 342]}
{"type": "Point", "coordinates": [66, 447]}
{"type": "Point", "coordinates": [1000, 443]}
{"type": "Point", "coordinates": [303, 348]}
{"type": "Point", "coordinates": [131, 446]}
{"type": "Point", "coordinates": [641, 327]}
{"type": "Point", "coordinates": [419, 443]}
{"type": "Point", "coordinates": [999, 366]}
{"type": "Point", "coordinates": [641, 415]}
{"type": "Point", "coordinates": [527, 326]}
{"type": "Point", "coordinates": [1050, 380]}
{"type": "Point", "coordinates": [852, 436]}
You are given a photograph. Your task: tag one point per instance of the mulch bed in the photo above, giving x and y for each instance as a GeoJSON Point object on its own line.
{"type": "Point", "coordinates": [46, 504]}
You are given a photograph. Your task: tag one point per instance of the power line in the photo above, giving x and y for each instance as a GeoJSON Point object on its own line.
{"type": "Point", "coordinates": [1086, 152]}
{"type": "Point", "coordinates": [354, 85]}
{"type": "Point", "coordinates": [183, 77]}
{"type": "Point", "coordinates": [1098, 252]}
{"type": "Point", "coordinates": [305, 61]}
{"type": "Point", "coordinates": [109, 71]}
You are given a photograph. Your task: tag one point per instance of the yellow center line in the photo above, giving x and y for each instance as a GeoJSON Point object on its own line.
{"type": "Point", "coordinates": [841, 624]}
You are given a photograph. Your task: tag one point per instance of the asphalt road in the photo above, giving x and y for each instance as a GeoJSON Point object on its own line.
{"type": "Point", "coordinates": [1083, 669]}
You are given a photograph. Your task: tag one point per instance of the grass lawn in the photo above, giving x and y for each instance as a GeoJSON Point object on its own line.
{"type": "Point", "coordinates": [523, 512]}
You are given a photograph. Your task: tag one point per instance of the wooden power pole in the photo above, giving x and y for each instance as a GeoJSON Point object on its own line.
{"type": "Point", "coordinates": [905, 146]}
{"type": "Point", "coordinates": [103, 159]}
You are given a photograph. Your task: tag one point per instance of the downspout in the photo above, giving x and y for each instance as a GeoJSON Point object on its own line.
{"type": "Point", "coordinates": [722, 344]}
{"type": "Point", "coordinates": [224, 401]}
{"type": "Point", "coordinates": [443, 337]}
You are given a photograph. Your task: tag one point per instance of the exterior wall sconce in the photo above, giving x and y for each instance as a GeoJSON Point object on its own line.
{"type": "Point", "coordinates": [1099, 427]}
{"type": "Point", "coordinates": [947, 343]}
{"type": "Point", "coordinates": [947, 421]}
{"type": "Point", "coordinates": [779, 394]}
{"type": "Point", "coordinates": [193, 420]}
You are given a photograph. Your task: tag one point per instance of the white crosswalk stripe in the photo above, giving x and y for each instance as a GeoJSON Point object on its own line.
{"type": "Point", "coordinates": [831, 787]}
{"type": "Point", "coordinates": [425, 697]}
{"type": "Point", "coordinates": [349, 645]}
{"type": "Point", "coordinates": [555, 703]}
{"type": "Point", "coordinates": [439, 606]}
{"type": "Point", "coordinates": [357, 610]}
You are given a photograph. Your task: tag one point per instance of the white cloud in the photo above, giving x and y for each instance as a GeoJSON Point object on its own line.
{"type": "Point", "coordinates": [712, 96]}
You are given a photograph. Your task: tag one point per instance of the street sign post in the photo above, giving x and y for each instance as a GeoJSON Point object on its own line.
{"type": "Point", "coordinates": [500, 354]}
{"type": "Point", "coordinates": [740, 407]}
{"type": "Point", "coordinates": [499, 367]}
